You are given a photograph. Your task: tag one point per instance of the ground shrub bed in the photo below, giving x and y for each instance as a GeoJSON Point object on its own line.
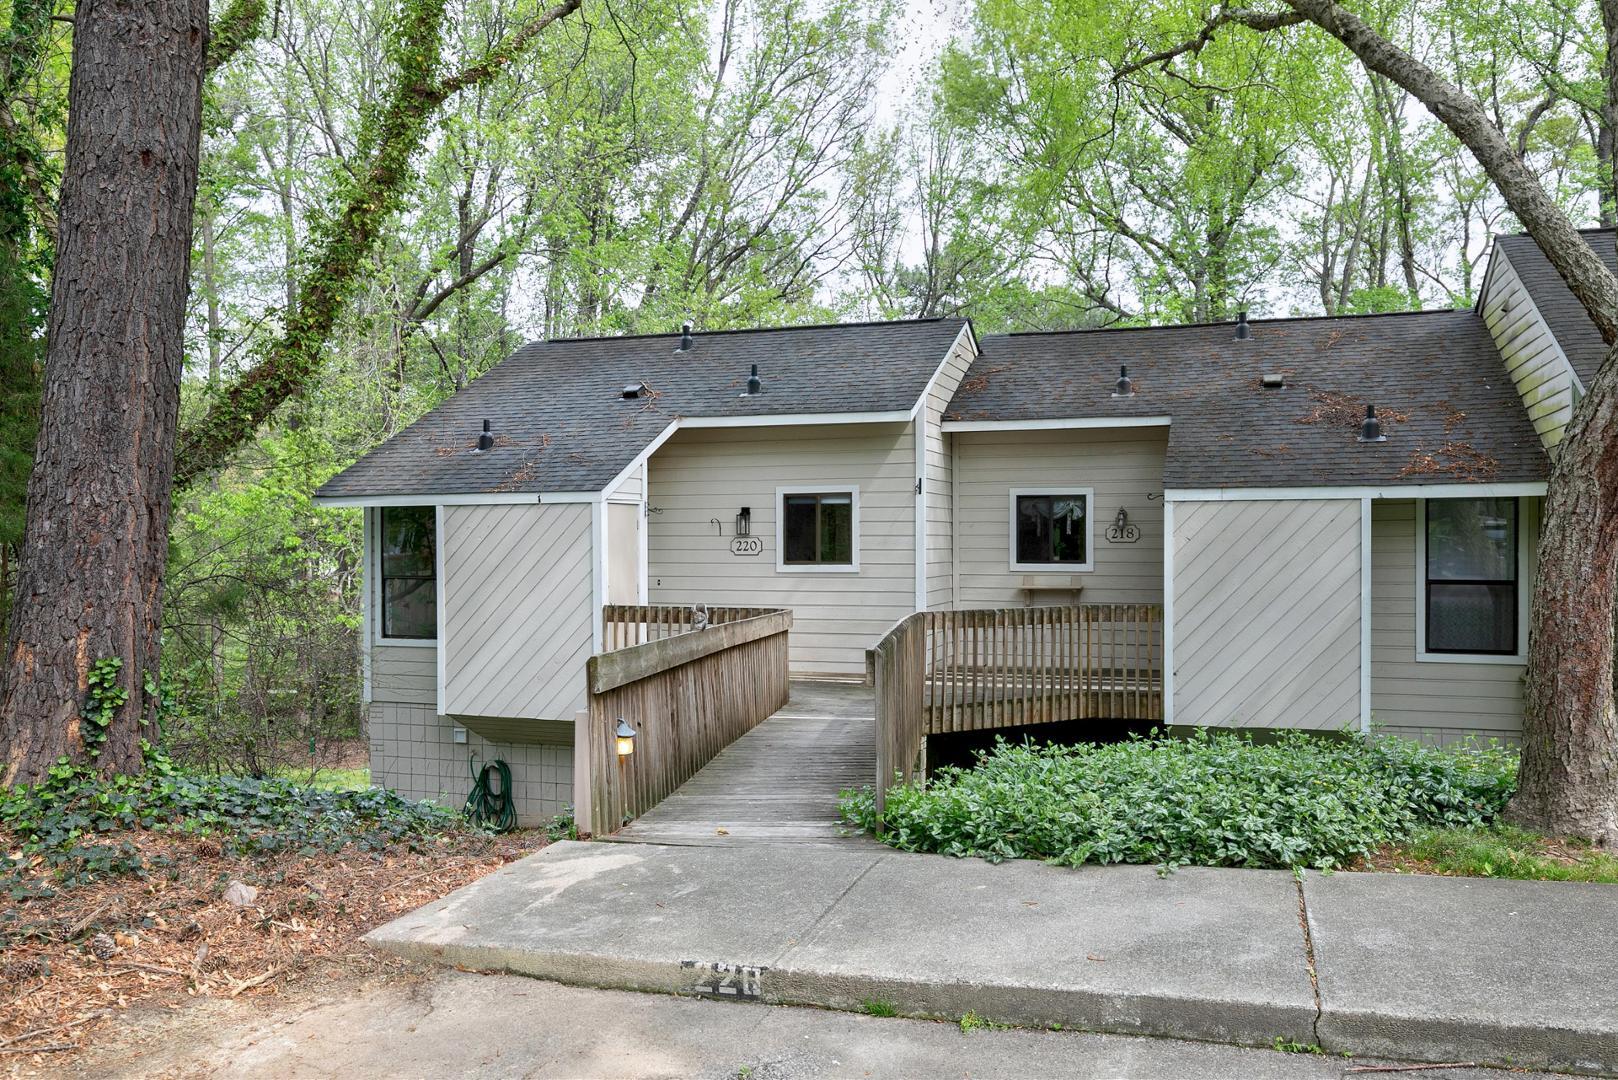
{"type": "Point", "coordinates": [1214, 799]}
{"type": "Point", "coordinates": [69, 826]}
{"type": "Point", "coordinates": [119, 893]}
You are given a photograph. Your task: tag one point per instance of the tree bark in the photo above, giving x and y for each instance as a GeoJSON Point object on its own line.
{"type": "Point", "coordinates": [89, 583]}
{"type": "Point", "coordinates": [1568, 779]}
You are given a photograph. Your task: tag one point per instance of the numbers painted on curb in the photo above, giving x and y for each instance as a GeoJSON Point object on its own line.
{"type": "Point", "coordinates": [716, 978]}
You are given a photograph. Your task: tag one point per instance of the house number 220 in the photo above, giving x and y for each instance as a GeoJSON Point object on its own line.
{"type": "Point", "coordinates": [718, 979]}
{"type": "Point", "coordinates": [747, 545]}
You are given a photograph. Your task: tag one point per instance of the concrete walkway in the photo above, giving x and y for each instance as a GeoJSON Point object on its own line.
{"type": "Point", "coordinates": [1419, 968]}
{"type": "Point", "coordinates": [779, 782]}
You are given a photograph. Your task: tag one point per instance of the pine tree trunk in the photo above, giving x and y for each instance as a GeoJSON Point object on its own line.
{"type": "Point", "coordinates": [1569, 779]}
{"type": "Point", "coordinates": [90, 580]}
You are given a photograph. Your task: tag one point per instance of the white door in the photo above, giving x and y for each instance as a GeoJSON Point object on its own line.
{"type": "Point", "coordinates": [623, 553]}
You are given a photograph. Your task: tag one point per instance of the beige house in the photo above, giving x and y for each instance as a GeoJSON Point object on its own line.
{"type": "Point", "coordinates": [1308, 568]}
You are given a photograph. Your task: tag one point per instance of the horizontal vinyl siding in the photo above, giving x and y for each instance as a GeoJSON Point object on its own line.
{"type": "Point", "coordinates": [518, 610]}
{"type": "Point", "coordinates": [702, 475]}
{"type": "Point", "coordinates": [938, 479]}
{"type": "Point", "coordinates": [1533, 359]}
{"type": "Point", "coordinates": [1429, 699]}
{"type": "Point", "coordinates": [1125, 467]}
{"type": "Point", "coordinates": [404, 674]}
{"type": "Point", "coordinates": [1267, 614]}
{"type": "Point", "coordinates": [632, 488]}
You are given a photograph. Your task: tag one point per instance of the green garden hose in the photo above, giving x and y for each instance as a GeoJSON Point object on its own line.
{"type": "Point", "coordinates": [489, 806]}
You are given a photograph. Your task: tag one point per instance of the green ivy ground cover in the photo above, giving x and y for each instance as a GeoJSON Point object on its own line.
{"type": "Point", "coordinates": [75, 826]}
{"type": "Point", "coordinates": [1214, 799]}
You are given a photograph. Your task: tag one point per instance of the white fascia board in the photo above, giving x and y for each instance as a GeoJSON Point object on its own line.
{"type": "Point", "coordinates": [1168, 613]}
{"type": "Point", "coordinates": [495, 498]}
{"type": "Point", "coordinates": [927, 391]}
{"type": "Point", "coordinates": [1392, 491]}
{"type": "Point", "coordinates": [640, 459]}
{"type": "Point", "coordinates": [796, 419]}
{"type": "Point", "coordinates": [1058, 423]}
{"type": "Point", "coordinates": [439, 604]}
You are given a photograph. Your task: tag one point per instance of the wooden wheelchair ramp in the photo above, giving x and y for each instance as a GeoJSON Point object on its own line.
{"type": "Point", "coordinates": [779, 782]}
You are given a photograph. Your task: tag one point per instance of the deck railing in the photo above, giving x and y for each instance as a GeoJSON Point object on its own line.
{"type": "Point", "coordinates": [687, 694]}
{"type": "Point", "coordinates": [976, 670]}
{"type": "Point", "coordinates": [625, 625]}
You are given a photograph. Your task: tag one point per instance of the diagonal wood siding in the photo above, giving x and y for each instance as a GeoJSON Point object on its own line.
{"type": "Point", "coordinates": [517, 610]}
{"type": "Point", "coordinates": [1267, 614]}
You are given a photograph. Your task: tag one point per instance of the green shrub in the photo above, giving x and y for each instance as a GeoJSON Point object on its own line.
{"type": "Point", "coordinates": [1214, 799]}
{"type": "Point", "coordinates": [65, 825]}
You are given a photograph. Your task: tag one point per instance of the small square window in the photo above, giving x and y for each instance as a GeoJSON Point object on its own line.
{"type": "Point", "coordinates": [817, 529]}
{"type": "Point", "coordinates": [1051, 530]}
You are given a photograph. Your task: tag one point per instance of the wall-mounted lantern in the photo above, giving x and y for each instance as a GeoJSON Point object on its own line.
{"type": "Point", "coordinates": [744, 521]}
{"type": "Point", "coordinates": [624, 737]}
{"type": "Point", "coordinates": [1121, 531]}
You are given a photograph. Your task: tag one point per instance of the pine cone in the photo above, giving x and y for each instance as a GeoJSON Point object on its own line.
{"type": "Point", "coordinates": [209, 849]}
{"type": "Point", "coordinates": [28, 967]}
{"type": "Point", "coordinates": [103, 947]}
{"type": "Point", "coordinates": [188, 931]}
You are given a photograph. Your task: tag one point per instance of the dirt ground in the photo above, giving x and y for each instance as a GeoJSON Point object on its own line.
{"type": "Point", "coordinates": [96, 964]}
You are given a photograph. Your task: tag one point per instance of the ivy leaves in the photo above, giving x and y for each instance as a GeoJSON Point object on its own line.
{"type": "Point", "coordinates": [1216, 799]}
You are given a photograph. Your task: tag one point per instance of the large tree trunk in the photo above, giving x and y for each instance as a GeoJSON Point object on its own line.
{"type": "Point", "coordinates": [1569, 775]}
{"type": "Point", "coordinates": [98, 499]}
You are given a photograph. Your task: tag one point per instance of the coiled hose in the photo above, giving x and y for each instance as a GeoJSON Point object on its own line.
{"type": "Point", "coordinates": [489, 805]}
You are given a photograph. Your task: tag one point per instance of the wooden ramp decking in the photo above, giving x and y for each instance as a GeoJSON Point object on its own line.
{"type": "Point", "coordinates": [779, 782]}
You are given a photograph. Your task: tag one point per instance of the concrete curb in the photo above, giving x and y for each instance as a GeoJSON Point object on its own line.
{"type": "Point", "coordinates": [1415, 1038]}
{"type": "Point", "coordinates": [1242, 1023]}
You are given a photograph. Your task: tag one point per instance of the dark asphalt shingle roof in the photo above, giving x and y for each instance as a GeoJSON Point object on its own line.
{"type": "Point", "coordinates": [1447, 406]}
{"type": "Point", "coordinates": [561, 423]}
{"type": "Point", "coordinates": [1561, 310]}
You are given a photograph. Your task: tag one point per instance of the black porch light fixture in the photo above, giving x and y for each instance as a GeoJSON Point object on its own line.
{"type": "Point", "coordinates": [624, 737]}
{"type": "Point", "coordinates": [744, 521]}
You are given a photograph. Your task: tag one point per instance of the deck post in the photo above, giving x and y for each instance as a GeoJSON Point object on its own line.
{"type": "Point", "coordinates": [581, 772]}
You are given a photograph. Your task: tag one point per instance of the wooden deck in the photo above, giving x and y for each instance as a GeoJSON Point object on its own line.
{"type": "Point", "coordinates": [779, 782]}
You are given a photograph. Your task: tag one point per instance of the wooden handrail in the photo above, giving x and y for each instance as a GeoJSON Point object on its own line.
{"type": "Point", "coordinates": [687, 693]}
{"type": "Point", "coordinates": [624, 626]}
{"type": "Point", "coordinates": [980, 669]}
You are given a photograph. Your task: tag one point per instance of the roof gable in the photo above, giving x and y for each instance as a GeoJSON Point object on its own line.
{"type": "Point", "coordinates": [1557, 305]}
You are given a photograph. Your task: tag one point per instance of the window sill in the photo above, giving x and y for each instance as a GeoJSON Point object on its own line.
{"type": "Point", "coordinates": [1053, 568]}
{"type": "Point", "coordinates": [408, 642]}
{"type": "Point", "coordinates": [1469, 658]}
{"type": "Point", "coordinates": [831, 568]}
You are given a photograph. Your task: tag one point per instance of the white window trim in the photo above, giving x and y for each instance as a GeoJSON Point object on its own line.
{"type": "Point", "coordinates": [374, 573]}
{"type": "Point", "coordinates": [781, 565]}
{"type": "Point", "coordinates": [1089, 563]}
{"type": "Point", "coordinates": [1527, 522]}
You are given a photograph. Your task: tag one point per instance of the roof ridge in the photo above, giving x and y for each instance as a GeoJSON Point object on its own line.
{"type": "Point", "coordinates": [1524, 235]}
{"type": "Point", "coordinates": [1232, 322]}
{"type": "Point", "coordinates": [695, 333]}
